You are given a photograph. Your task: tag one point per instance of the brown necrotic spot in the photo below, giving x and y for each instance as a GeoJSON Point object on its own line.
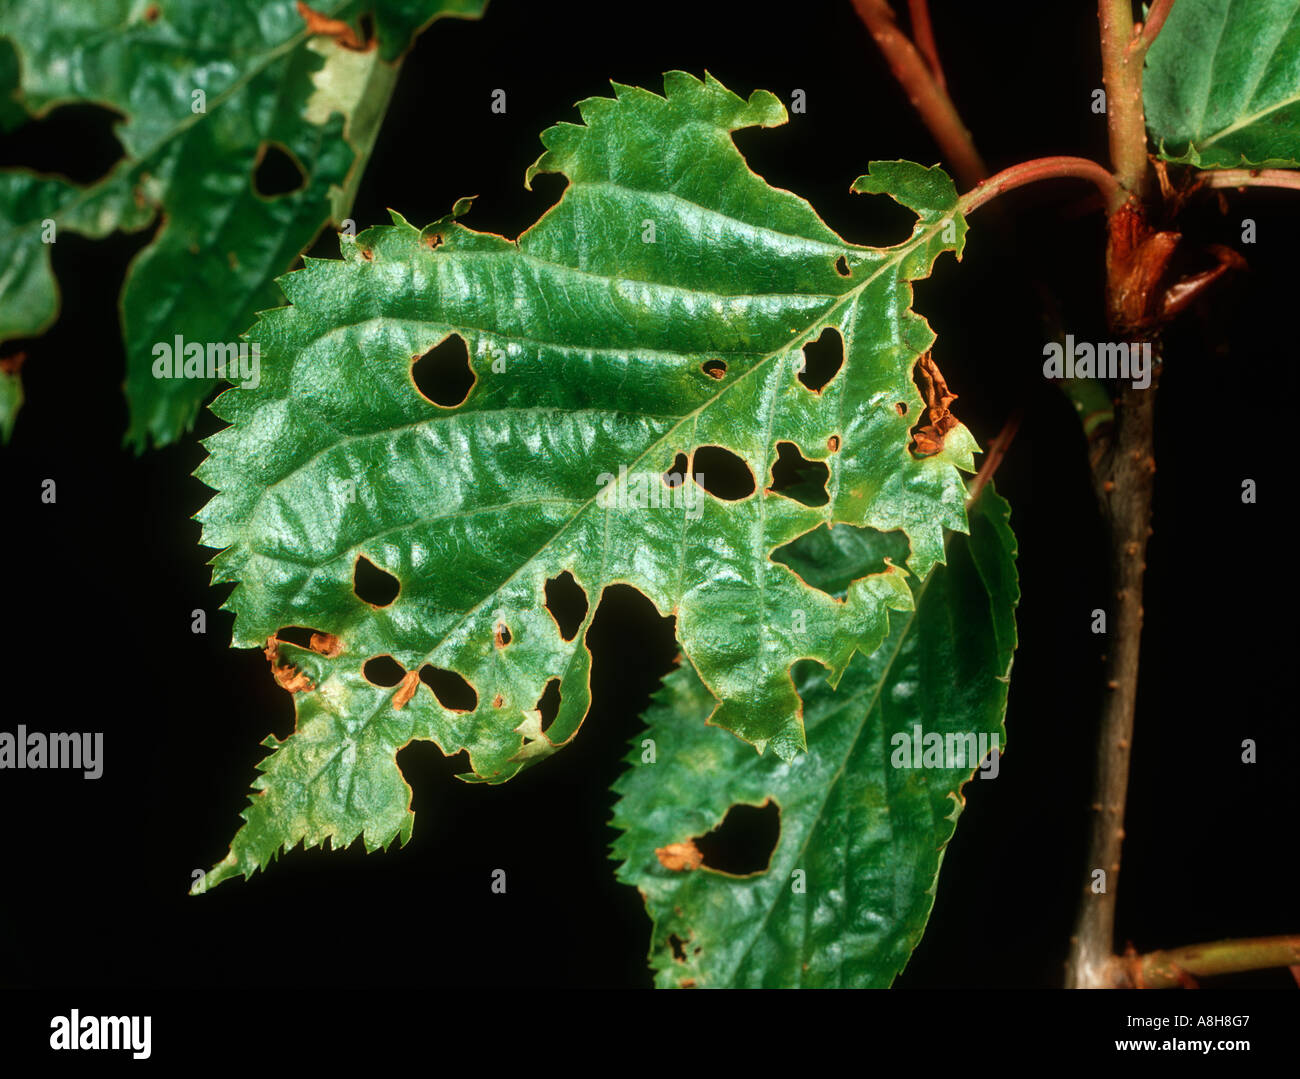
{"type": "Point", "coordinates": [304, 637]}
{"type": "Point", "coordinates": [833, 443]}
{"type": "Point", "coordinates": [410, 683]}
{"type": "Point", "coordinates": [742, 845]}
{"type": "Point", "coordinates": [822, 359]}
{"type": "Point", "coordinates": [383, 671]}
{"type": "Point", "coordinates": [796, 477]}
{"type": "Point", "coordinates": [676, 475]}
{"type": "Point", "coordinates": [548, 704]}
{"type": "Point", "coordinates": [679, 856]}
{"type": "Point", "coordinates": [277, 173]}
{"type": "Point", "coordinates": [714, 368]}
{"type": "Point", "coordinates": [373, 585]}
{"type": "Point", "coordinates": [842, 266]}
{"type": "Point", "coordinates": [443, 374]}
{"type": "Point", "coordinates": [723, 474]}
{"type": "Point", "coordinates": [936, 421]}
{"type": "Point", "coordinates": [453, 692]}
{"type": "Point", "coordinates": [567, 602]}
{"type": "Point", "coordinates": [326, 644]}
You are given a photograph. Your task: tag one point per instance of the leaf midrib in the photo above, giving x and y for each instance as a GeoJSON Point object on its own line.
{"type": "Point", "coordinates": [899, 252]}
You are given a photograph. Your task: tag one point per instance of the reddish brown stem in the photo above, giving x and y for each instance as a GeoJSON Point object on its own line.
{"type": "Point", "coordinates": [926, 94]}
{"type": "Point", "coordinates": [1181, 966]}
{"type": "Point", "coordinates": [993, 457]}
{"type": "Point", "coordinates": [1156, 17]}
{"type": "Point", "coordinates": [1252, 178]}
{"type": "Point", "coordinates": [923, 34]}
{"type": "Point", "coordinates": [1028, 172]}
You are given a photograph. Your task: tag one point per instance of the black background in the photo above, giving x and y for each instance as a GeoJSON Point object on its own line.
{"type": "Point", "coordinates": [99, 587]}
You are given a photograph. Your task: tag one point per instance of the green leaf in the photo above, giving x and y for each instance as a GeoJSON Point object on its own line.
{"type": "Point", "coordinates": [205, 88]}
{"type": "Point", "coordinates": [867, 835]}
{"type": "Point", "coordinates": [600, 353]}
{"type": "Point", "coordinates": [1222, 84]}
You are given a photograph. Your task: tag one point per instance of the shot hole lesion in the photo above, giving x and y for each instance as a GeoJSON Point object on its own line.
{"type": "Point", "coordinates": [373, 585]}
{"type": "Point", "coordinates": [276, 172]}
{"type": "Point", "coordinates": [443, 375]}
{"type": "Point", "coordinates": [453, 690]}
{"type": "Point", "coordinates": [742, 845]}
{"type": "Point", "coordinates": [822, 359]}
{"type": "Point", "coordinates": [797, 478]}
{"type": "Point", "coordinates": [676, 474]}
{"type": "Point", "coordinates": [383, 671]}
{"type": "Point", "coordinates": [548, 704]}
{"type": "Point", "coordinates": [724, 474]}
{"type": "Point", "coordinates": [566, 600]}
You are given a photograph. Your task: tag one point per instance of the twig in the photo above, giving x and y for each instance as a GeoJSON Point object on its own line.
{"type": "Point", "coordinates": [923, 34]}
{"type": "Point", "coordinates": [1172, 966]}
{"type": "Point", "coordinates": [1123, 479]}
{"type": "Point", "coordinates": [926, 94]}
{"type": "Point", "coordinates": [993, 456]}
{"type": "Point", "coordinates": [1028, 172]}
{"type": "Point", "coordinates": [1122, 53]}
{"type": "Point", "coordinates": [1156, 17]}
{"type": "Point", "coordinates": [1252, 178]}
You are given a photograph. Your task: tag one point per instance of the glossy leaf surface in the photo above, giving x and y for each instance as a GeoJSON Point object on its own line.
{"type": "Point", "coordinates": [206, 90]}
{"type": "Point", "coordinates": [851, 881]}
{"type": "Point", "coordinates": [1222, 83]}
{"type": "Point", "coordinates": [653, 321]}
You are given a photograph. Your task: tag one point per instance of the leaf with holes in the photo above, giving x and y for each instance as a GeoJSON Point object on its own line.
{"type": "Point", "coordinates": [608, 399]}
{"type": "Point", "coordinates": [246, 128]}
{"type": "Point", "coordinates": [844, 896]}
{"type": "Point", "coordinates": [1222, 84]}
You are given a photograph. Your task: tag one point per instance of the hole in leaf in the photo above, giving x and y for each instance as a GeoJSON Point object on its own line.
{"type": "Point", "coordinates": [715, 368]}
{"type": "Point", "coordinates": [73, 141]}
{"type": "Point", "coordinates": [833, 443]}
{"type": "Point", "coordinates": [567, 602]}
{"type": "Point", "coordinates": [299, 635]}
{"type": "Point", "coordinates": [453, 692]}
{"type": "Point", "coordinates": [676, 475]}
{"type": "Point", "coordinates": [383, 671]}
{"type": "Point", "coordinates": [277, 173]}
{"type": "Point", "coordinates": [796, 477]}
{"type": "Point", "coordinates": [443, 374]}
{"type": "Point", "coordinates": [822, 359]}
{"type": "Point", "coordinates": [743, 843]}
{"type": "Point", "coordinates": [842, 266]}
{"type": "Point", "coordinates": [374, 585]}
{"type": "Point", "coordinates": [722, 473]}
{"type": "Point", "coordinates": [549, 703]}
{"type": "Point", "coordinates": [678, 948]}
{"type": "Point", "coordinates": [901, 407]}
{"type": "Point", "coordinates": [852, 552]}
{"type": "Point", "coordinates": [502, 635]}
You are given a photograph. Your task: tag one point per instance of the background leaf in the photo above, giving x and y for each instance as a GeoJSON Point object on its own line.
{"type": "Point", "coordinates": [868, 836]}
{"type": "Point", "coordinates": [594, 348]}
{"type": "Point", "coordinates": [1222, 84]}
{"type": "Point", "coordinates": [269, 86]}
